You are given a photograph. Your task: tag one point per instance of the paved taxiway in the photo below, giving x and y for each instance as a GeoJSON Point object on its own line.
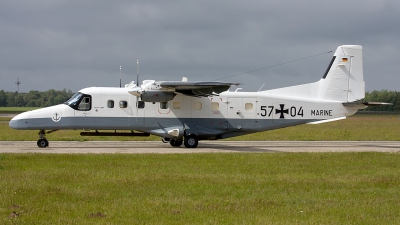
{"type": "Point", "coordinates": [204, 146]}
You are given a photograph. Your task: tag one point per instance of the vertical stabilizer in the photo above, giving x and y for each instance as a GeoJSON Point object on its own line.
{"type": "Point", "coordinates": [343, 80]}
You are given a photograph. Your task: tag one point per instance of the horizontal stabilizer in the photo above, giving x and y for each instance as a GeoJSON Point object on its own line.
{"type": "Point", "coordinates": [327, 120]}
{"type": "Point", "coordinates": [364, 104]}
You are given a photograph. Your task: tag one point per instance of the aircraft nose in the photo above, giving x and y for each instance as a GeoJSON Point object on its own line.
{"type": "Point", "coordinates": [18, 121]}
{"type": "Point", "coordinates": [14, 124]}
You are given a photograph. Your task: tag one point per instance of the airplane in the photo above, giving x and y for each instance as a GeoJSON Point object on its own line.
{"type": "Point", "coordinates": [184, 112]}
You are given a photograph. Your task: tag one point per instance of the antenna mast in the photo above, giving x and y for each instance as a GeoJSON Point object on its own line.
{"type": "Point", "coordinates": [137, 72]}
{"type": "Point", "coordinates": [17, 83]}
{"type": "Point", "coordinates": [120, 85]}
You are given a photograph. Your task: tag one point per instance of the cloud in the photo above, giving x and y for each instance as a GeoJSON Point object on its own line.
{"type": "Point", "coordinates": [75, 44]}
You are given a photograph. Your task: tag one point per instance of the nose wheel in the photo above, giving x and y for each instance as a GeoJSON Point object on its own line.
{"type": "Point", "coordinates": [42, 142]}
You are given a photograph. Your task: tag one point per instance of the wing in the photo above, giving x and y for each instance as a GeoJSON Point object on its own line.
{"type": "Point", "coordinates": [197, 88]}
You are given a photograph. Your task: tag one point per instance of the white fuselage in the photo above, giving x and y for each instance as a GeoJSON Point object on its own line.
{"type": "Point", "coordinates": [178, 110]}
{"type": "Point", "coordinates": [226, 115]}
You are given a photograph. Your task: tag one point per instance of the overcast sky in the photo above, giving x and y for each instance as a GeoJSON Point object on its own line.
{"type": "Point", "coordinates": [74, 44]}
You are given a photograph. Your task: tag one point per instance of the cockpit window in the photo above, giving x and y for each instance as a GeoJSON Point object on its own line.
{"type": "Point", "coordinates": [84, 105]}
{"type": "Point", "coordinates": [79, 101]}
{"type": "Point", "coordinates": [74, 100]}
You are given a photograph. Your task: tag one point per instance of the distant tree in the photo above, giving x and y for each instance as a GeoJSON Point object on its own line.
{"type": "Point", "coordinates": [383, 96]}
{"type": "Point", "coordinates": [11, 98]}
{"type": "Point", "coordinates": [3, 98]}
{"type": "Point", "coordinates": [19, 101]}
{"type": "Point", "coordinates": [31, 98]}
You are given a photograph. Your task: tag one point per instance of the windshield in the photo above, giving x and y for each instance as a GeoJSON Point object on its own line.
{"type": "Point", "coordinates": [79, 101]}
{"type": "Point", "coordinates": [74, 100]}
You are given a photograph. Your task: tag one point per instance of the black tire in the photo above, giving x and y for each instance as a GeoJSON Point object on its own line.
{"type": "Point", "coordinates": [191, 141]}
{"type": "Point", "coordinates": [175, 143]}
{"type": "Point", "coordinates": [42, 143]}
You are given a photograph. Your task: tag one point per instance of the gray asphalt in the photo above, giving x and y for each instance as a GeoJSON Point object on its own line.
{"type": "Point", "coordinates": [140, 147]}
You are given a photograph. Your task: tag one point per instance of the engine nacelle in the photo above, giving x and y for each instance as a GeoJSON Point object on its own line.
{"type": "Point", "coordinates": [157, 96]}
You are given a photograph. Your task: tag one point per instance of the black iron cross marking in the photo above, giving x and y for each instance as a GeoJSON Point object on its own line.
{"type": "Point", "coordinates": [282, 111]}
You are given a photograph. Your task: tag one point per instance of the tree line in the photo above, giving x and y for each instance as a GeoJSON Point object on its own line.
{"type": "Point", "coordinates": [34, 98]}
{"type": "Point", "coordinates": [383, 96]}
{"type": "Point", "coordinates": [53, 97]}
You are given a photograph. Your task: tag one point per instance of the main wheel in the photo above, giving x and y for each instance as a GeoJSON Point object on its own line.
{"type": "Point", "coordinates": [175, 143]}
{"type": "Point", "coordinates": [191, 141]}
{"type": "Point", "coordinates": [42, 143]}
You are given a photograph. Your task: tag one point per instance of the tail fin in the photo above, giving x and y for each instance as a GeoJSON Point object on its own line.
{"type": "Point", "coordinates": [343, 80]}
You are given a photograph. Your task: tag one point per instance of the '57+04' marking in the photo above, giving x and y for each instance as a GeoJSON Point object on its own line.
{"type": "Point", "coordinates": [292, 111]}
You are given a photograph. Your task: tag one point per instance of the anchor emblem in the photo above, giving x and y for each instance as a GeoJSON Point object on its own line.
{"type": "Point", "coordinates": [56, 117]}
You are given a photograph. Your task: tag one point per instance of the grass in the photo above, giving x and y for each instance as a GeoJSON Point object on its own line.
{"type": "Point", "coordinates": [15, 109]}
{"type": "Point", "coordinates": [235, 188]}
{"type": "Point", "coordinates": [4, 119]}
{"type": "Point", "coordinates": [355, 128]}
{"type": "Point", "coordinates": [301, 188]}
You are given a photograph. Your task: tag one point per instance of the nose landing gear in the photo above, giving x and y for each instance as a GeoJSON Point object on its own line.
{"type": "Point", "coordinates": [42, 142]}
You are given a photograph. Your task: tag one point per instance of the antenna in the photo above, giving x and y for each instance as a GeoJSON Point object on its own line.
{"type": "Point", "coordinates": [261, 87]}
{"type": "Point", "coordinates": [280, 64]}
{"type": "Point", "coordinates": [17, 83]}
{"type": "Point", "coordinates": [137, 72]}
{"type": "Point", "coordinates": [120, 85]}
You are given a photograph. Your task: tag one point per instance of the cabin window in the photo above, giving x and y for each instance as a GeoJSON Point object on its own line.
{"type": "Point", "coordinates": [197, 106]}
{"type": "Point", "coordinates": [163, 105]}
{"type": "Point", "coordinates": [123, 104]}
{"type": "Point", "coordinates": [110, 104]}
{"type": "Point", "coordinates": [140, 104]}
{"type": "Point", "coordinates": [214, 106]}
{"type": "Point", "coordinates": [248, 106]}
{"type": "Point", "coordinates": [84, 105]}
{"type": "Point", "coordinates": [176, 105]}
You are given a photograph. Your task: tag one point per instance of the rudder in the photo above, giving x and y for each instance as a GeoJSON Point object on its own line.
{"type": "Point", "coordinates": [343, 80]}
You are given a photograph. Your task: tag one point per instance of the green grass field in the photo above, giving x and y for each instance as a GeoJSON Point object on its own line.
{"type": "Point", "coordinates": [15, 109]}
{"type": "Point", "coordinates": [284, 188]}
{"type": "Point", "coordinates": [355, 128]}
{"type": "Point", "coordinates": [214, 188]}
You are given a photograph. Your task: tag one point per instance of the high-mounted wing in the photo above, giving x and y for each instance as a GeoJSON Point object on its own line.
{"type": "Point", "coordinates": [162, 91]}
{"type": "Point", "coordinates": [199, 88]}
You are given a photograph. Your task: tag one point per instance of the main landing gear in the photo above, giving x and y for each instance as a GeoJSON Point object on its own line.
{"type": "Point", "coordinates": [176, 143]}
{"type": "Point", "coordinates": [42, 142]}
{"type": "Point", "coordinates": [190, 141]}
